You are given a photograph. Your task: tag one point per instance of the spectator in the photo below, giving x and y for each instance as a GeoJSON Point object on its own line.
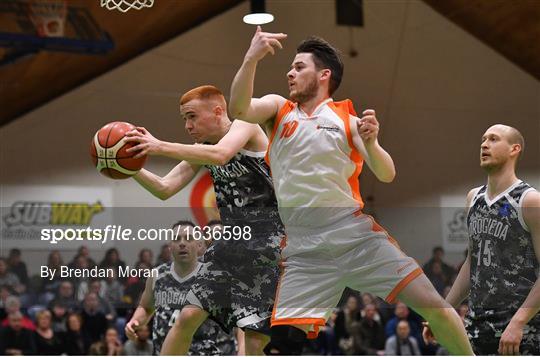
{"type": "Point", "coordinates": [135, 287]}
{"type": "Point", "coordinates": [74, 343]}
{"type": "Point", "coordinates": [109, 346]}
{"type": "Point", "coordinates": [17, 266]}
{"type": "Point", "coordinates": [80, 284]}
{"type": "Point", "coordinates": [438, 255]}
{"type": "Point", "coordinates": [50, 287]}
{"type": "Point", "coordinates": [13, 304]}
{"type": "Point", "coordinates": [4, 294]}
{"type": "Point", "coordinates": [105, 306]}
{"type": "Point", "coordinates": [94, 320]}
{"type": "Point", "coordinates": [145, 256]}
{"type": "Point", "coordinates": [402, 344]}
{"type": "Point", "coordinates": [164, 255]}
{"type": "Point", "coordinates": [112, 260]}
{"type": "Point", "coordinates": [84, 252]}
{"type": "Point", "coordinates": [15, 339]}
{"type": "Point", "coordinates": [113, 290]}
{"type": "Point", "coordinates": [8, 279]}
{"type": "Point", "coordinates": [402, 313]}
{"type": "Point", "coordinates": [48, 343]}
{"type": "Point", "coordinates": [59, 315]}
{"type": "Point", "coordinates": [372, 332]}
{"type": "Point", "coordinates": [326, 340]}
{"type": "Point", "coordinates": [344, 321]}
{"type": "Point", "coordinates": [141, 347]}
{"type": "Point", "coordinates": [438, 278]}
{"type": "Point", "coordinates": [368, 299]}
{"type": "Point", "coordinates": [65, 296]}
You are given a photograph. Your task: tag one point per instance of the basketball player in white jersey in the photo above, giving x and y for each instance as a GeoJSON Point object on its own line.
{"type": "Point", "coordinates": [316, 152]}
{"type": "Point", "coordinates": [501, 273]}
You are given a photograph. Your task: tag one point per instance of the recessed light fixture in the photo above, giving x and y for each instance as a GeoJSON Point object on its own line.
{"type": "Point", "coordinates": [258, 15]}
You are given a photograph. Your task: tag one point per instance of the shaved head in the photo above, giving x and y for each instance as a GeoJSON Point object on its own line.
{"type": "Point", "coordinates": [511, 134]}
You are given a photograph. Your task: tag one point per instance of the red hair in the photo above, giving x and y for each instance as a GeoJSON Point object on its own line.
{"type": "Point", "coordinates": [204, 93]}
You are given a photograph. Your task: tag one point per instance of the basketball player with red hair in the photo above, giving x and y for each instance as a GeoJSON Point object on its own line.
{"type": "Point", "coordinates": [238, 287]}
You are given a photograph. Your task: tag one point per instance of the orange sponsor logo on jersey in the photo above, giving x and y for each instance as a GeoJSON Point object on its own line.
{"type": "Point", "coordinates": [288, 129]}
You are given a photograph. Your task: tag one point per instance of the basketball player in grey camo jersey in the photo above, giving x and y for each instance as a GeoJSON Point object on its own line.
{"type": "Point", "coordinates": [165, 295]}
{"type": "Point", "coordinates": [237, 285]}
{"type": "Point", "coordinates": [501, 272]}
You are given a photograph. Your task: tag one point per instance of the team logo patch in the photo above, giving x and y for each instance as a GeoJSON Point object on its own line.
{"type": "Point", "coordinates": [504, 211]}
{"type": "Point", "coordinates": [334, 128]}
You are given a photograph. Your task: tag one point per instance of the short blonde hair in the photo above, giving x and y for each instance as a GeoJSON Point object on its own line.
{"type": "Point", "coordinates": [43, 313]}
{"type": "Point", "coordinates": [515, 137]}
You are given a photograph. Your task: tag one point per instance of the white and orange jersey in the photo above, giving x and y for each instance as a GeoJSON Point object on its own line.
{"type": "Point", "coordinates": [314, 164]}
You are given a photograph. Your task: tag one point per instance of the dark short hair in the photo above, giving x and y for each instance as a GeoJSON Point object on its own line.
{"type": "Point", "coordinates": [15, 252]}
{"type": "Point", "coordinates": [438, 249]}
{"type": "Point", "coordinates": [325, 56]}
{"type": "Point", "coordinates": [183, 223]}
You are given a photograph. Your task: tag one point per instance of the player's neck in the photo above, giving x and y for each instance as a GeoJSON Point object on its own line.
{"type": "Point", "coordinates": [500, 180]}
{"type": "Point", "coordinates": [224, 127]}
{"type": "Point", "coordinates": [183, 269]}
{"type": "Point", "coordinates": [310, 105]}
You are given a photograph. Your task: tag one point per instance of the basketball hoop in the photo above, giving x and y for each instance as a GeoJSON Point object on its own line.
{"type": "Point", "coordinates": [126, 5]}
{"type": "Point", "coordinates": [48, 17]}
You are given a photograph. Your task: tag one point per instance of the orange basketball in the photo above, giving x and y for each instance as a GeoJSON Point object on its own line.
{"type": "Point", "coordinates": [108, 151]}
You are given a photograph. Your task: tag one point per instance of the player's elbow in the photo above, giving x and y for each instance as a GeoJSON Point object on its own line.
{"type": "Point", "coordinates": [221, 158]}
{"type": "Point", "coordinates": [387, 177]}
{"type": "Point", "coordinates": [164, 193]}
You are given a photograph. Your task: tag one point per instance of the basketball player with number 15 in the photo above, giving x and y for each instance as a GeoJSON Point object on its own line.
{"type": "Point", "coordinates": [500, 274]}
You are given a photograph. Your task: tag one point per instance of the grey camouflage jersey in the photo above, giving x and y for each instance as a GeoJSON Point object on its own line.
{"type": "Point", "coordinates": [169, 293]}
{"type": "Point", "coordinates": [238, 285]}
{"type": "Point", "coordinates": [504, 266]}
{"type": "Point", "coordinates": [245, 193]}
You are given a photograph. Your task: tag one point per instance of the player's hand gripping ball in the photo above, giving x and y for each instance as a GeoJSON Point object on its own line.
{"type": "Point", "coordinates": [108, 151]}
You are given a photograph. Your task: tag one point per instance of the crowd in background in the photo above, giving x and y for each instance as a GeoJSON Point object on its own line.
{"type": "Point", "coordinates": [82, 316]}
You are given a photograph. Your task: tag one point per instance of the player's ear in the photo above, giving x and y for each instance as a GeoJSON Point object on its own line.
{"type": "Point", "coordinates": [218, 111]}
{"type": "Point", "coordinates": [325, 74]}
{"type": "Point", "coordinates": [515, 149]}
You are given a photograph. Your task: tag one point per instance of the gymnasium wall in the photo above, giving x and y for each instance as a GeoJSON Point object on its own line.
{"type": "Point", "coordinates": [435, 88]}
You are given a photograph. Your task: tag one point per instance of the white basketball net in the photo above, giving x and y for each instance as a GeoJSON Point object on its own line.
{"type": "Point", "coordinates": [126, 5]}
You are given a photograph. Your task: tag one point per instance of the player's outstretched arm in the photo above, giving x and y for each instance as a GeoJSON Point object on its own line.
{"type": "Point", "coordinates": [170, 184]}
{"type": "Point", "coordinates": [513, 334]}
{"type": "Point", "coordinates": [200, 154]}
{"type": "Point", "coordinates": [365, 131]}
{"type": "Point", "coordinates": [242, 105]}
{"type": "Point", "coordinates": [143, 313]}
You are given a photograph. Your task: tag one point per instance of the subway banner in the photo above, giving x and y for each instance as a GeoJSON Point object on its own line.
{"type": "Point", "coordinates": [33, 217]}
{"type": "Point", "coordinates": [32, 214]}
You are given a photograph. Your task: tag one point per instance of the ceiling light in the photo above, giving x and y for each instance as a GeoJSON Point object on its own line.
{"type": "Point", "coordinates": [258, 15]}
